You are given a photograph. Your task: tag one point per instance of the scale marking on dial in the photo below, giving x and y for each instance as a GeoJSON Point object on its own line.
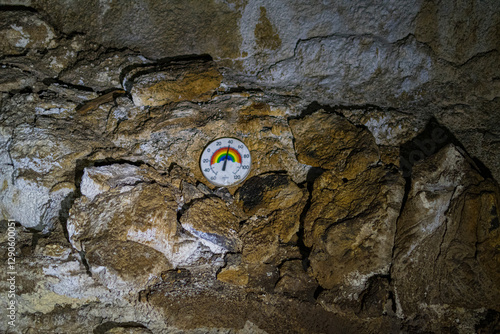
{"type": "Point", "coordinates": [225, 161]}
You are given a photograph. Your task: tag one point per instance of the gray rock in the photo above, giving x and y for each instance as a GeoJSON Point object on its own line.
{"type": "Point", "coordinates": [446, 241]}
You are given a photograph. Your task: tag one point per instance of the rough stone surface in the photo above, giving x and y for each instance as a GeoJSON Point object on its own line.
{"type": "Point", "coordinates": [142, 215]}
{"type": "Point", "coordinates": [275, 204]}
{"type": "Point", "coordinates": [13, 79]}
{"type": "Point", "coordinates": [23, 30]}
{"type": "Point", "coordinates": [128, 330]}
{"type": "Point", "coordinates": [101, 69]}
{"type": "Point", "coordinates": [329, 141]}
{"type": "Point", "coordinates": [295, 281]}
{"type": "Point", "coordinates": [106, 106]}
{"type": "Point", "coordinates": [350, 228]}
{"type": "Point", "coordinates": [214, 223]}
{"type": "Point", "coordinates": [179, 82]}
{"type": "Point", "coordinates": [449, 231]}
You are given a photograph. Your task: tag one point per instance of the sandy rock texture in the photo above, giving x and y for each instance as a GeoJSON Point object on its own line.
{"type": "Point", "coordinates": [448, 230]}
{"type": "Point", "coordinates": [372, 198]}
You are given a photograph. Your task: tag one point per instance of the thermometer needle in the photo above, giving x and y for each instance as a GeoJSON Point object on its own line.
{"type": "Point", "coordinates": [225, 160]}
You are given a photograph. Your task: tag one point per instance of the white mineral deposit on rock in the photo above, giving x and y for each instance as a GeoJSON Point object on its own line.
{"type": "Point", "coordinates": [356, 216]}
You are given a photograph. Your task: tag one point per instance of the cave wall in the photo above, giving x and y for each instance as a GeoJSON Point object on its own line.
{"type": "Point", "coordinates": [372, 201]}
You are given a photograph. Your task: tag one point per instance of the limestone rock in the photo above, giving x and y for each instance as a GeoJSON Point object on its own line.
{"type": "Point", "coordinates": [177, 134]}
{"type": "Point", "coordinates": [102, 71]}
{"type": "Point", "coordinates": [128, 330]}
{"type": "Point", "coordinates": [234, 275]}
{"type": "Point", "coordinates": [253, 276]}
{"type": "Point", "coordinates": [300, 49]}
{"type": "Point", "coordinates": [13, 79]}
{"type": "Point", "coordinates": [24, 30]}
{"type": "Point", "coordinates": [330, 141]}
{"type": "Point", "coordinates": [178, 82]}
{"type": "Point", "coordinates": [132, 209]}
{"type": "Point", "coordinates": [263, 194]}
{"type": "Point", "coordinates": [317, 67]}
{"type": "Point", "coordinates": [124, 265]}
{"type": "Point", "coordinates": [162, 29]}
{"type": "Point", "coordinates": [96, 180]}
{"type": "Point", "coordinates": [142, 213]}
{"type": "Point", "coordinates": [389, 128]}
{"type": "Point", "coordinates": [154, 247]}
{"type": "Point", "coordinates": [294, 280]}
{"type": "Point", "coordinates": [43, 161]}
{"type": "Point", "coordinates": [461, 42]}
{"type": "Point", "coordinates": [350, 228]}
{"type": "Point", "coordinates": [263, 276]}
{"type": "Point", "coordinates": [49, 64]}
{"type": "Point", "coordinates": [275, 203]}
{"type": "Point", "coordinates": [213, 222]}
{"type": "Point", "coordinates": [54, 289]}
{"type": "Point", "coordinates": [448, 231]}
{"type": "Point", "coordinates": [49, 272]}
{"type": "Point", "coordinates": [463, 121]}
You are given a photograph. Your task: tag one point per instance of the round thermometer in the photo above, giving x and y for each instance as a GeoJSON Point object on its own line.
{"type": "Point", "coordinates": [225, 161]}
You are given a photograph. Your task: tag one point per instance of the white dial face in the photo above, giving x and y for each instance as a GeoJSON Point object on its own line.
{"type": "Point", "coordinates": [225, 161]}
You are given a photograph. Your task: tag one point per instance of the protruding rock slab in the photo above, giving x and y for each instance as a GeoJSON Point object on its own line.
{"type": "Point", "coordinates": [212, 221]}
{"type": "Point", "coordinates": [129, 215]}
{"type": "Point", "coordinates": [350, 228]}
{"type": "Point", "coordinates": [194, 81]}
{"type": "Point", "coordinates": [330, 141]}
{"type": "Point", "coordinates": [124, 265]}
{"type": "Point", "coordinates": [447, 244]}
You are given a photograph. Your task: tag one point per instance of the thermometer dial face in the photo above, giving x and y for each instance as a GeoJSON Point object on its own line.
{"type": "Point", "coordinates": [225, 161]}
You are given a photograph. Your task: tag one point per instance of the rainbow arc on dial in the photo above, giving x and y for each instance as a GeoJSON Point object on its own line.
{"type": "Point", "coordinates": [223, 153]}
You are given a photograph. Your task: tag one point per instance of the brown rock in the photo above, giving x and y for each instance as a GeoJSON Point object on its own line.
{"type": "Point", "coordinates": [350, 228]}
{"type": "Point", "coordinates": [236, 275]}
{"type": "Point", "coordinates": [446, 249]}
{"type": "Point", "coordinates": [22, 30]}
{"type": "Point", "coordinates": [88, 106]}
{"type": "Point", "coordinates": [124, 265]}
{"type": "Point", "coordinates": [275, 203]}
{"type": "Point", "coordinates": [330, 141]}
{"type": "Point", "coordinates": [294, 280]}
{"type": "Point", "coordinates": [128, 330]}
{"type": "Point", "coordinates": [133, 208]}
{"type": "Point", "coordinates": [213, 222]}
{"type": "Point", "coordinates": [177, 134]}
{"type": "Point", "coordinates": [260, 240]}
{"type": "Point", "coordinates": [103, 71]}
{"type": "Point", "coordinates": [180, 82]}
{"type": "Point", "coordinates": [263, 276]}
{"type": "Point", "coordinates": [50, 63]}
{"type": "Point", "coordinates": [97, 180]}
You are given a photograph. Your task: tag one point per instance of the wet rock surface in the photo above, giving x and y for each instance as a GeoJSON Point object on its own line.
{"type": "Point", "coordinates": [371, 203]}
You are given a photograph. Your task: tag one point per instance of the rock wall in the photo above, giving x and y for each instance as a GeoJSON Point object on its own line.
{"type": "Point", "coordinates": [371, 205]}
